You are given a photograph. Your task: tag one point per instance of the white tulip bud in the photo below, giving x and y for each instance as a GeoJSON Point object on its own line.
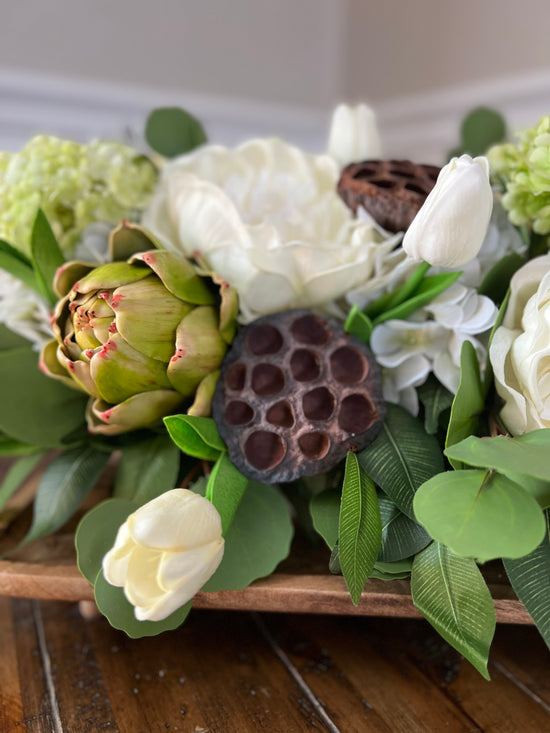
{"type": "Point", "coordinates": [451, 225]}
{"type": "Point", "coordinates": [354, 134]}
{"type": "Point", "coordinates": [165, 552]}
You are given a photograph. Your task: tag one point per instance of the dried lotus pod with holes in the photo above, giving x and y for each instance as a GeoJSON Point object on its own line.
{"type": "Point", "coordinates": [295, 394]}
{"type": "Point", "coordinates": [392, 191]}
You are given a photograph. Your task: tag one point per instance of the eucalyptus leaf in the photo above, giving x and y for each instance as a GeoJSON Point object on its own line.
{"type": "Point", "coordinates": [172, 131]}
{"type": "Point", "coordinates": [325, 514]}
{"type": "Point", "coordinates": [480, 514]}
{"type": "Point", "coordinates": [481, 128]}
{"type": "Point", "coordinates": [451, 594]}
{"type": "Point", "coordinates": [14, 262]}
{"type": "Point", "coordinates": [11, 447]}
{"type": "Point", "coordinates": [399, 295]}
{"type": "Point", "coordinates": [258, 539]}
{"type": "Point", "coordinates": [359, 529]}
{"type": "Point", "coordinates": [10, 340]}
{"type": "Point", "coordinates": [401, 536]}
{"type": "Point", "coordinates": [225, 489]}
{"type": "Point", "coordinates": [147, 469]}
{"type": "Point", "coordinates": [196, 436]}
{"type": "Point", "coordinates": [402, 457]}
{"type": "Point", "coordinates": [496, 282]}
{"type": "Point", "coordinates": [46, 256]}
{"type": "Point", "coordinates": [113, 604]}
{"type": "Point", "coordinates": [359, 325]}
{"type": "Point", "coordinates": [429, 288]}
{"type": "Point", "coordinates": [436, 399]}
{"type": "Point", "coordinates": [468, 402]}
{"type": "Point", "coordinates": [17, 473]}
{"type": "Point", "coordinates": [63, 487]}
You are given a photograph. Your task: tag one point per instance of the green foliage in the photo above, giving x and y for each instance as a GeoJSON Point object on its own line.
{"type": "Point", "coordinates": [392, 570]}
{"type": "Point", "coordinates": [401, 536]}
{"type": "Point", "coordinates": [225, 489]}
{"type": "Point", "coordinates": [399, 295]}
{"type": "Point", "coordinates": [196, 436]}
{"type": "Point", "coordinates": [46, 256]}
{"type": "Point", "coordinates": [360, 528]}
{"type": "Point", "coordinates": [429, 288]}
{"type": "Point", "coordinates": [436, 399]}
{"type": "Point", "coordinates": [451, 594]}
{"type": "Point", "coordinates": [358, 324]}
{"type": "Point", "coordinates": [402, 457]}
{"type": "Point", "coordinates": [16, 474]}
{"type": "Point", "coordinates": [325, 514]}
{"type": "Point", "coordinates": [480, 129]}
{"type": "Point", "coordinates": [172, 131]}
{"type": "Point", "coordinates": [18, 265]}
{"type": "Point", "coordinates": [147, 469]}
{"type": "Point", "coordinates": [11, 447]}
{"type": "Point", "coordinates": [480, 514]}
{"type": "Point", "coordinates": [496, 281]}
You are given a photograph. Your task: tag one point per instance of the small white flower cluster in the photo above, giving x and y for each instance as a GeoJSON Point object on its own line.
{"type": "Point", "coordinates": [24, 311]}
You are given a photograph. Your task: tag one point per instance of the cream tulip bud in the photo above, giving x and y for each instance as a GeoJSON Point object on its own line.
{"type": "Point", "coordinates": [165, 552]}
{"type": "Point", "coordinates": [451, 225]}
{"type": "Point", "coordinates": [353, 134]}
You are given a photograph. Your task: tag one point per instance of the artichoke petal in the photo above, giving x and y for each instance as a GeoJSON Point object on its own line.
{"type": "Point", "coordinates": [142, 410]}
{"type": "Point", "coordinates": [178, 276]}
{"type": "Point", "coordinates": [79, 371]}
{"type": "Point", "coordinates": [229, 310]}
{"type": "Point", "coordinates": [110, 276]}
{"type": "Point", "coordinates": [68, 274]}
{"type": "Point", "coordinates": [52, 367]}
{"type": "Point", "coordinates": [128, 239]}
{"type": "Point", "coordinates": [202, 404]}
{"type": "Point", "coordinates": [199, 349]}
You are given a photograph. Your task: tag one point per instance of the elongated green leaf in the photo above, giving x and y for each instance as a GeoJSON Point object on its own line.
{"type": "Point", "coordinates": [172, 131]}
{"type": "Point", "coordinates": [112, 603]}
{"type": "Point", "coordinates": [468, 402]}
{"type": "Point", "coordinates": [257, 540]}
{"type": "Point", "coordinates": [11, 447]}
{"type": "Point", "coordinates": [496, 281]}
{"type": "Point", "coordinates": [429, 288]}
{"type": "Point", "coordinates": [225, 489]}
{"type": "Point", "coordinates": [451, 594]}
{"type": "Point", "coordinates": [402, 457]}
{"type": "Point", "coordinates": [436, 399]}
{"type": "Point", "coordinates": [64, 486]}
{"type": "Point", "coordinates": [12, 261]}
{"type": "Point", "coordinates": [480, 514]}
{"type": "Point", "coordinates": [360, 528]}
{"type": "Point", "coordinates": [359, 325]}
{"type": "Point", "coordinates": [529, 578]}
{"type": "Point", "coordinates": [196, 436]}
{"type": "Point", "coordinates": [401, 536]}
{"type": "Point", "coordinates": [147, 469]}
{"type": "Point", "coordinates": [10, 340]}
{"type": "Point", "coordinates": [392, 570]}
{"type": "Point", "coordinates": [399, 295]}
{"type": "Point", "coordinates": [46, 256]}
{"type": "Point", "coordinates": [35, 409]}
{"type": "Point", "coordinates": [17, 473]}
{"type": "Point", "coordinates": [325, 515]}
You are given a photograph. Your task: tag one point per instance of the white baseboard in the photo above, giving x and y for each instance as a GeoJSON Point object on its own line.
{"type": "Point", "coordinates": [418, 126]}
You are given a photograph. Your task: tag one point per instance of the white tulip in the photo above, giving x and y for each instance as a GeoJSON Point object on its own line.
{"type": "Point", "coordinates": [354, 135]}
{"type": "Point", "coordinates": [165, 552]}
{"type": "Point", "coordinates": [451, 225]}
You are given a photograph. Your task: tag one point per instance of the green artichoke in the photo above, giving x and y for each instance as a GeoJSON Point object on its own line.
{"type": "Point", "coordinates": [143, 335]}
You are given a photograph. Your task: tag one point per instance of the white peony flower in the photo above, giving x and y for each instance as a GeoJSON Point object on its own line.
{"type": "Point", "coordinates": [520, 350]}
{"type": "Point", "coordinates": [451, 225]}
{"type": "Point", "coordinates": [24, 311]}
{"type": "Point", "coordinates": [165, 552]}
{"type": "Point", "coordinates": [266, 217]}
{"type": "Point", "coordinates": [354, 134]}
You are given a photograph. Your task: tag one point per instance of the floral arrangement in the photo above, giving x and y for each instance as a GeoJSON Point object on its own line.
{"type": "Point", "coordinates": [263, 337]}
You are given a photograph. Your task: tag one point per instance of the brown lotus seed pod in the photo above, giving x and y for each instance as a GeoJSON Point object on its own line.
{"type": "Point", "coordinates": [295, 394]}
{"type": "Point", "coordinates": [392, 191]}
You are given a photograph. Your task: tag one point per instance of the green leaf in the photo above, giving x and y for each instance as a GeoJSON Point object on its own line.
{"type": "Point", "coordinates": [10, 340]}
{"type": "Point", "coordinates": [64, 486]}
{"type": "Point", "coordinates": [451, 594]}
{"type": "Point", "coordinates": [481, 128]}
{"type": "Point", "coordinates": [392, 570]}
{"type": "Point", "coordinates": [529, 578]}
{"type": "Point", "coordinates": [196, 436]}
{"type": "Point", "coordinates": [436, 399]}
{"type": "Point", "coordinates": [113, 604]}
{"type": "Point", "coordinates": [147, 469]}
{"type": "Point", "coordinates": [36, 410]}
{"type": "Point", "coordinates": [258, 539]}
{"type": "Point", "coordinates": [402, 457]}
{"type": "Point", "coordinates": [496, 282]}
{"type": "Point", "coordinates": [96, 534]}
{"type": "Point", "coordinates": [46, 256]}
{"type": "Point", "coordinates": [396, 297]}
{"type": "Point", "coordinates": [360, 528]}
{"type": "Point", "coordinates": [11, 447]}
{"type": "Point", "coordinates": [429, 288]}
{"type": "Point", "coordinates": [358, 324]}
{"type": "Point", "coordinates": [480, 514]}
{"type": "Point", "coordinates": [468, 402]}
{"type": "Point", "coordinates": [16, 474]}
{"type": "Point", "coordinates": [401, 537]}
{"type": "Point", "coordinates": [325, 515]}
{"type": "Point", "coordinates": [225, 489]}
{"type": "Point", "coordinates": [172, 131]}
{"type": "Point", "coordinates": [14, 262]}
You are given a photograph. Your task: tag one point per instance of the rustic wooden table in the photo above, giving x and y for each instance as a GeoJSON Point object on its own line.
{"type": "Point", "coordinates": [227, 671]}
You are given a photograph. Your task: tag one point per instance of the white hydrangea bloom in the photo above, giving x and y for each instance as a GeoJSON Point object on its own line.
{"type": "Point", "coordinates": [24, 311]}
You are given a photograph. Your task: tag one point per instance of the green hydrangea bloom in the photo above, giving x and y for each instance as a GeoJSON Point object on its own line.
{"type": "Point", "coordinates": [74, 185]}
{"type": "Point", "coordinates": [525, 168]}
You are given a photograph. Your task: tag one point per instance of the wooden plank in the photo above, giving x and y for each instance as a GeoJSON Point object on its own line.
{"type": "Point", "coordinates": [11, 705]}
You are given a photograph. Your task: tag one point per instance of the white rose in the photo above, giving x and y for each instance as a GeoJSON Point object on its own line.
{"type": "Point", "coordinates": [451, 225]}
{"type": "Point", "coordinates": [266, 217]}
{"type": "Point", "coordinates": [353, 134]}
{"type": "Point", "coordinates": [165, 552]}
{"type": "Point", "coordinates": [520, 350]}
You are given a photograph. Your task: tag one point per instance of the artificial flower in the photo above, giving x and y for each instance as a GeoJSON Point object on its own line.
{"type": "Point", "coordinates": [165, 552]}
{"type": "Point", "coordinates": [354, 134]}
{"type": "Point", "coordinates": [24, 311]}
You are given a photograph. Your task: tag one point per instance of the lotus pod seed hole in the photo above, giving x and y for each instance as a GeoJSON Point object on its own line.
{"type": "Point", "coordinates": [347, 365]}
{"type": "Point", "coordinates": [356, 414]}
{"type": "Point", "coordinates": [304, 365]}
{"type": "Point", "coordinates": [264, 339]}
{"type": "Point", "coordinates": [314, 446]}
{"type": "Point", "coordinates": [238, 412]}
{"type": "Point", "coordinates": [310, 330]}
{"type": "Point", "coordinates": [236, 377]}
{"type": "Point", "coordinates": [267, 379]}
{"type": "Point", "coordinates": [264, 450]}
{"type": "Point", "coordinates": [281, 414]}
{"type": "Point", "coordinates": [318, 404]}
